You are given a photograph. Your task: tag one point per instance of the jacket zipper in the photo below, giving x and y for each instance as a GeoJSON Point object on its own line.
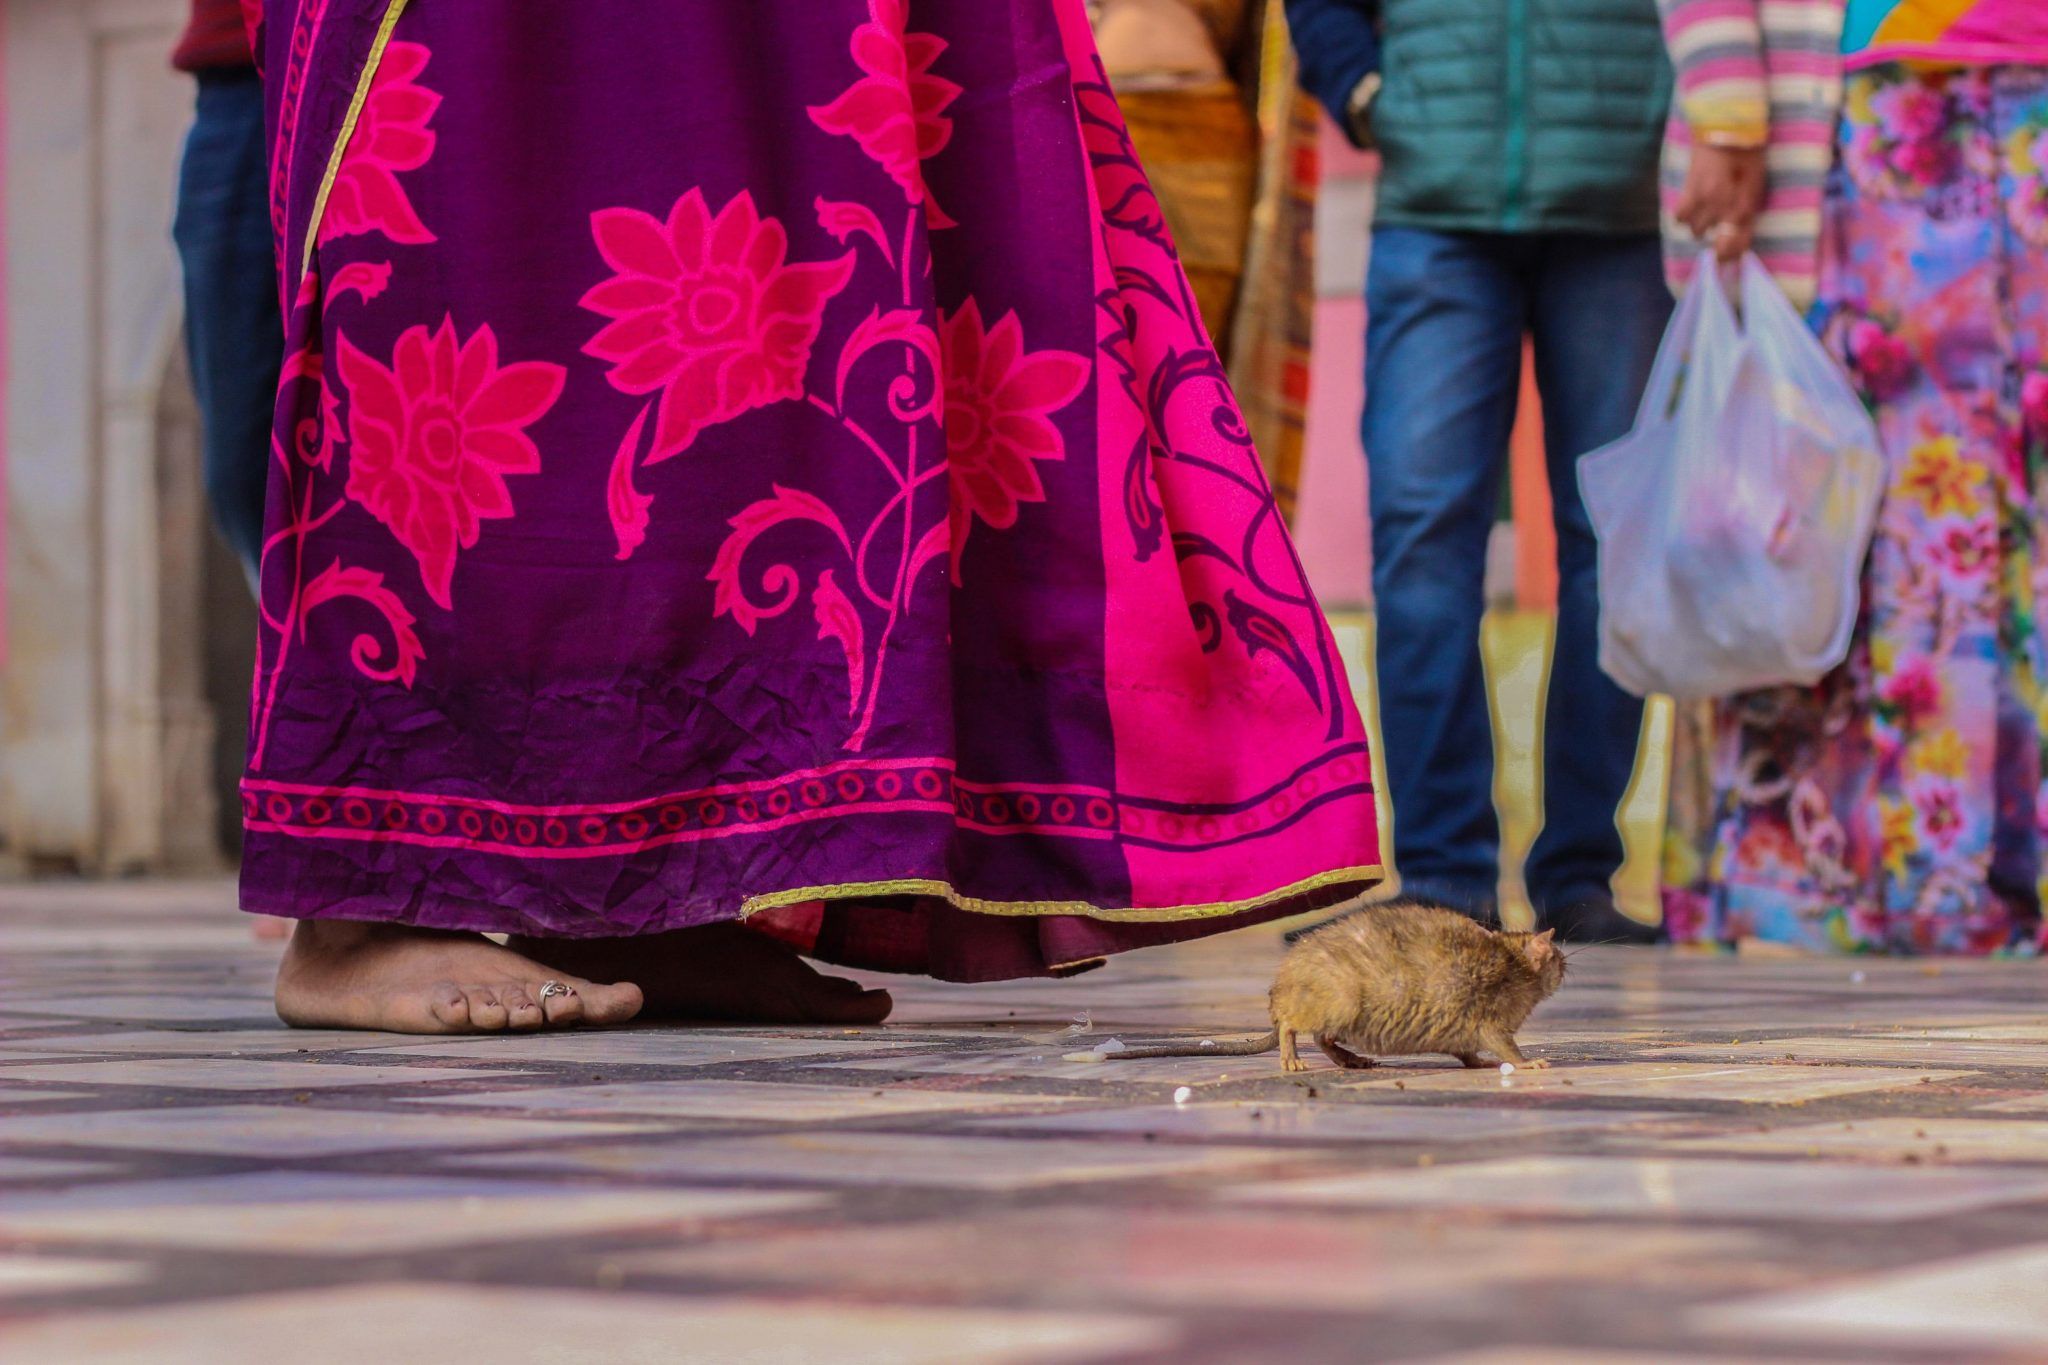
{"type": "Point", "coordinates": [1515, 151]}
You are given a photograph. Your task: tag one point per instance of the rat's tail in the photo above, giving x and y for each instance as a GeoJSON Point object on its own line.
{"type": "Point", "coordinates": [1206, 1047]}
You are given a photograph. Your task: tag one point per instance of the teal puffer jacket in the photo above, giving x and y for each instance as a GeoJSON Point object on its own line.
{"type": "Point", "coordinates": [1500, 115]}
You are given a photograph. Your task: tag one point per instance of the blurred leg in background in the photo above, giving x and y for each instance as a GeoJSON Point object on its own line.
{"type": "Point", "coordinates": [1445, 313]}
{"type": "Point", "coordinates": [1599, 307]}
{"type": "Point", "coordinates": [233, 328]}
{"type": "Point", "coordinates": [232, 324]}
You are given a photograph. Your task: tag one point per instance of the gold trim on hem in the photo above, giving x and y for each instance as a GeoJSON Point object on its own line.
{"type": "Point", "coordinates": [348, 130]}
{"type": "Point", "coordinates": [801, 895]}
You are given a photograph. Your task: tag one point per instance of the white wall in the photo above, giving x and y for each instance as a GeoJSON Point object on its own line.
{"type": "Point", "coordinates": [89, 734]}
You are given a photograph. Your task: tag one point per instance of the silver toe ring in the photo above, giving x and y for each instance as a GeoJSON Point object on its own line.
{"type": "Point", "coordinates": [554, 988]}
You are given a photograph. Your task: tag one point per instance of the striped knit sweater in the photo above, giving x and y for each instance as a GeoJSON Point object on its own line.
{"type": "Point", "coordinates": [1757, 73]}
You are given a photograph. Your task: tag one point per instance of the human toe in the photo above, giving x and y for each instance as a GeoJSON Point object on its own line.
{"type": "Point", "coordinates": [526, 1014]}
{"type": "Point", "coordinates": [449, 1006]}
{"type": "Point", "coordinates": [612, 1004]}
{"type": "Point", "coordinates": [486, 1011]}
{"type": "Point", "coordinates": [562, 1004]}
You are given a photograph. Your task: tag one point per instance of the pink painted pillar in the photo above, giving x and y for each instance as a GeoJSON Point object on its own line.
{"type": "Point", "coordinates": [1330, 521]}
{"type": "Point", "coordinates": [4, 362]}
{"type": "Point", "coordinates": [1330, 526]}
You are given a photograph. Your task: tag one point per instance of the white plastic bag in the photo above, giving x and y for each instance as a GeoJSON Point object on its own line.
{"type": "Point", "coordinates": [1734, 519]}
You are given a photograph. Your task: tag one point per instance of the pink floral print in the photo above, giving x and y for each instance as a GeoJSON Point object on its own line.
{"type": "Point", "coordinates": [391, 136]}
{"type": "Point", "coordinates": [897, 111]}
{"type": "Point", "coordinates": [1900, 144]}
{"type": "Point", "coordinates": [2034, 403]}
{"type": "Point", "coordinates": [1911, 696]}
{"type": "Point", "coordinates": [2026, 169]}
{"type": "Point", "coordinates": [1967, 551]}
{"type": "Point", "coordinates": [1882, 361]}
{"type": "Point", "coordinates": [999, 402]}
{"type": "Point", "coordinates": [1898, 806]}
{"type": "Point", "coordinates": [433, 437]}
{"type": "Point", "coordinates": [708, 311]}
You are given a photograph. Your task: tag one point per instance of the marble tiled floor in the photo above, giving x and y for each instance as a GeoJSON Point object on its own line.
{"type": "Point", "coordinates": [1732, 1160]}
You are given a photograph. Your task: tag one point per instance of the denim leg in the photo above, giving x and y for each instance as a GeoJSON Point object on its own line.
{"type": "Point", "coordinates": [1600, 310]}
{"type": "Point", "coordinates": [233, 328]}
{"type": "Point", "coordinates": [1445, 318]}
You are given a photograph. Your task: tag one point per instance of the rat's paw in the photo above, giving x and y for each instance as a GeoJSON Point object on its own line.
{"type": "Point", "coordinates": [1294, 1064]}
{"type": "Point", "coordinates": [1537, 1064]}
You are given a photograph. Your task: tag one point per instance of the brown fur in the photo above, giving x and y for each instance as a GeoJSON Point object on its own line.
{"type": "Point", "coordinates": [1402, 978]}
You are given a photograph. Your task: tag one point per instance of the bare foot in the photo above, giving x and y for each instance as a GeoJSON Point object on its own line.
{"type": "Point", "coordinates": [723, 973]}
{"type": "Point", "coordinates": [338, 974]}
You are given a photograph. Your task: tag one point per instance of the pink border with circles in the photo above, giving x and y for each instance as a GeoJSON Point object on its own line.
{"type": "Point", "coordinates": [851, 789]}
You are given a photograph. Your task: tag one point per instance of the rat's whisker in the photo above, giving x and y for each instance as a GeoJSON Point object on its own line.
{"type": "Point", "coordinates": [1597, 943]}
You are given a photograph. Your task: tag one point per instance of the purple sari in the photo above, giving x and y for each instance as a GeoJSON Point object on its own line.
{"type": "Point", "coordinates": [763, 460]}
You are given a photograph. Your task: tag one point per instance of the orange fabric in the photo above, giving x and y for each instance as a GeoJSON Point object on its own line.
{"type": "Point", "coordinates": [1529, 484]}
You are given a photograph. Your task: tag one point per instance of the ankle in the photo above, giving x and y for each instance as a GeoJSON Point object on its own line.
{"type": "Point", "coordinates": [330, 936]}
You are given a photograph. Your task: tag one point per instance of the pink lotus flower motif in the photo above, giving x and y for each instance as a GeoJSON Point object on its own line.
{"type": "Point", "coordinates": [2034, 402]}
{"type": "Point", "coordinates": [999, 405]}
{"type": "Point", "coordinates": [1913, 693]}
{"type": "Point", "coordinates": [897, 111]}
{"type": "Point", "coordinates": [1884, 362]}
{"type": "Point", "coordinates": [433, 437]}
{"type": "Point", "coordinates": [391, 136]}
{"type": "Point", "coordinates": [707, 311]}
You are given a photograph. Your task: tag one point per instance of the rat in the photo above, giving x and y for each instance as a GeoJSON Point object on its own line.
{"type": "Point", "coordinates": [1405, 977]}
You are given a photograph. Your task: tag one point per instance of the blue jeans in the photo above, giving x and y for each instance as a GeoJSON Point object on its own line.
{"type": "Point", "coordinates": [233, 328]}
{"type": "Point", "coordinates": [1446, 315]}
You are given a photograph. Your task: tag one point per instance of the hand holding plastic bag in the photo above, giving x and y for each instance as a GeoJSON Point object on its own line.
{"type": "Point", "coordinates": [1734, 518]}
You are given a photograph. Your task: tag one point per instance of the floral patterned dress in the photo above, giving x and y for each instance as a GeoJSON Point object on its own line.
{"type": "Point", "coordinates": [1899, 805]}
{"type": "Point", "coordinates": [764, 461]}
